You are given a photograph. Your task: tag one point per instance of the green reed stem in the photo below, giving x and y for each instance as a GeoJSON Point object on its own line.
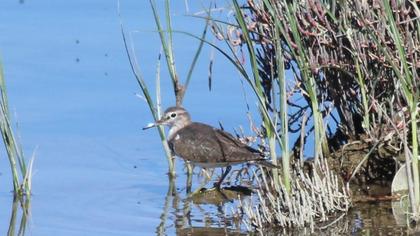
{"type": "Point", "coordinates": [166, 43]}
{"type": "Point", "coordinates": [168, 152]}
{"type": "Point", "coordinates": [142, 84]}
{"type": "Point", "coordinates": [21, 176]}
{"type": "Point", "coordinates": [362, 85]}
{"type": "Point", "coordinates": [415, 158]}
{"type": "Point", "coordinates": [308, 81]}
{"type": "Point", "coordinates": [408, 85]}
{"type": "Point", "coordinates": [282, 82]}
{"type": "Point", "coordinates": [269, 125]}
{"type": "Point", "coordinates": [166, 40]}
{"type": "Point", "coordinates": [196, 56]}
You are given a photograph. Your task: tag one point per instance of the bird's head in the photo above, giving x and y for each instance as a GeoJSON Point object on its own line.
{"type": "Point", "coordinates": [173, 116]}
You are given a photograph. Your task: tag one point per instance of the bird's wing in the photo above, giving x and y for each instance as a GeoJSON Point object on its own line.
{"type": "Point", "coordinates": [202, 143]}
{"type": "Point", "coordinates": [228, 138]}
{"type": "Point", "coordinates": [197, 143]}
{"type": "Point", "coordinates": [235, 149]}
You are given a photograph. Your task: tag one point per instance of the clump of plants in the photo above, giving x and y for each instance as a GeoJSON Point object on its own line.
{"type": "Point", "coordinates": [352, 85]}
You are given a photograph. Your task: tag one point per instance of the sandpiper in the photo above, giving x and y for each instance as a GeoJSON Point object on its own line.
{"type": "Point", "coordinates": [204, 145]}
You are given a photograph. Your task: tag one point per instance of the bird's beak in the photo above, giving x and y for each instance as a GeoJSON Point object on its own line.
{"type": "Point", "coordinates": [157, 123]}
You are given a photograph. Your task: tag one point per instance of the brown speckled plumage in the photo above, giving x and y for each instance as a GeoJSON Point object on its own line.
{"type": "Point", "coordinates": [204, 145]}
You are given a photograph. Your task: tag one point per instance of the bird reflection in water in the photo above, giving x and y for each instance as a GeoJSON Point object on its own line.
{"type": "Point", "coordinates": [204, 213]}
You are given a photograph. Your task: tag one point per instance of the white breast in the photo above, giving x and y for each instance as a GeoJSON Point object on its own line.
{"type": "Point", "coordinates": [174, 129]}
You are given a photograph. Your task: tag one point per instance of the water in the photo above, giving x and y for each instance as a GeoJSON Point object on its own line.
{"type": "Point", "coordinates": [72, 93]}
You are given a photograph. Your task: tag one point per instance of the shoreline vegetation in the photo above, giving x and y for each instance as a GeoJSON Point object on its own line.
{"type": "Point", "coordinates": [343, 74]}
{"type": "Point", "coordinates": [21, 169]}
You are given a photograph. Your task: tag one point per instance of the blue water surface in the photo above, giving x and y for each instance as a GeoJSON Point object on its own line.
{"type": "Point", "coordinates": [72, 93]}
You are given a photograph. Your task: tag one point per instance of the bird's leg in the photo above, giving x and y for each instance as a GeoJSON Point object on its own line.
{"type": "Point", "coordinates": [190, 172]}
{"type": "Point", "coordinates": [219, 183]}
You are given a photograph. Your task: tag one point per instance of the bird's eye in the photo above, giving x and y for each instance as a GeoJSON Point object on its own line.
{"type": "Point", "coordinates": [173, 115]}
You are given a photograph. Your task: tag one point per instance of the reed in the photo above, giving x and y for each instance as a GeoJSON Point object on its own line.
{"type": "Point", "coordinates": [145, 90]}
{"type": "Point", "coordinates": [269, 120]}
{"type": "Point", "coordinates": [21, 172]}
{"type": "Point", "coordinates": [407, 76]}
{"type": "Point", "coordinates": [166, 40]}
{"type": "Point", "coordinates": [306, 76]}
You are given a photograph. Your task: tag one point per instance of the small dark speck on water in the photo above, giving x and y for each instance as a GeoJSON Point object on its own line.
{"type": "Point", "coordinates": [106, 54]}
{"type": "Point", "coordinates": [77, 41]}
{"type": "Point", "coordinates": [77, 60]}
{"type": "Point", "coordinates": [135, 167]}
{"type": "Point", "coordinates": [106, 73]}
{"type": "Point", "coordinates": [139, 202]}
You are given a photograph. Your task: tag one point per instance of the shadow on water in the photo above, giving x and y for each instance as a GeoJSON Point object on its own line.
{"type": "Point", "coordinates": [20, 207]}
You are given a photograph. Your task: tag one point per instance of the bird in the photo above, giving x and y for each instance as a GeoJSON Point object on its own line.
{"type": "Point", "coordinates": [204, 145]}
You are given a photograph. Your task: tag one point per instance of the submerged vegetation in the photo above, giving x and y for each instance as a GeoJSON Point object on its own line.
{"type": "Point", "coordinates": [21, 171]}
{"type": "Point", "coordinates": [339, 74]}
